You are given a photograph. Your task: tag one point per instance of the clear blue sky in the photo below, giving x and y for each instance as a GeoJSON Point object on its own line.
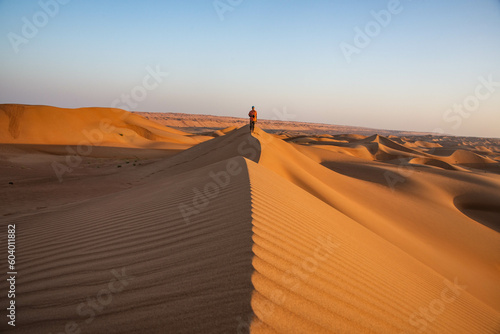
{"type": "Point", "coordinates": [284, 57]}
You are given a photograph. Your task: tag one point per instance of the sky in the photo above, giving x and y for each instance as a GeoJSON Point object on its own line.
{"type": "Point", "coordinates": [421, 65]}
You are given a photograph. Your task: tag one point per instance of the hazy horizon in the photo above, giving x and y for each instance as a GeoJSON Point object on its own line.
{"type": "Point", "coordinates": [402, 65]}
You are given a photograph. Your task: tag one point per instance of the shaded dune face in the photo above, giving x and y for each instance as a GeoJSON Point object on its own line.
{"type": "Point", "coordinates": [186, 275]}
{"type": "Point", "coordinates": [432, 162]}
{"type": "Point", "coordinates": [482, 208]}
{"type": "Point", "coordinates": [366, 172]}
{"type": "Point", "coordinates": [143, 132]}
{"type": "Point", "coordinates": [250, 233]}
{"type": "Point", "coordinates": [14, 114]}
{"type": "Point", "coordinates": [235, 144]}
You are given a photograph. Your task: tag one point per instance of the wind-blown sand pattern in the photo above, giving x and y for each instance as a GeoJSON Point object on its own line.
{"type": "Point", "coordinates": [232, 232]}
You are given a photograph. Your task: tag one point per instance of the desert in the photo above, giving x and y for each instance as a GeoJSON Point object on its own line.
{"type": "Point", "coordinates": [125, 224]}
{"type": "Point", "coordinates": [250, 167]}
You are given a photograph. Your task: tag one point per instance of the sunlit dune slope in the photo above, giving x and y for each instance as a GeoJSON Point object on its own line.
{"type": "Point", "coordinates": [318, 271]}
{"type": "Point", "coordinates": [27, 124]}
{"type": "Point", "coordinates": [414, 211]}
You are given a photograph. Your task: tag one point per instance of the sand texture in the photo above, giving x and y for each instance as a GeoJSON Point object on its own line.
{"type": "Point", "coordinates": [158, 230]}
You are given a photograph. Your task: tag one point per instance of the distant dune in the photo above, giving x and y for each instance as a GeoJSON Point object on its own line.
{"type": "Point", "coordinates": [26, 124]}
{"type": "Point", "coordinates": [243, 232]}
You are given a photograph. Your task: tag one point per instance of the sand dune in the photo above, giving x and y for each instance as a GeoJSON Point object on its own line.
{"type": "Point", "coordinates": [375, 147]}
{"type": "Point", "coordinates": [25, 124]}
{"type": "Point", "coordinates": [403, 150]}
{"type": "Point", "coordinates": [377, 208]}
{"type": "Point", "coordinates": [187, 276]}
{"type": "Point", "coordinates": [420, 143]}
{"type": "Point", "coordinates": [432, 162]}
{"type": "Point", "coordinates": [350, 137]}
{"type": "Point", "coordinates": [248, 232]}
{"type": "Point", "coordinates": [467, 157]}
{"type": "Point", "coordinates": [333, 275]}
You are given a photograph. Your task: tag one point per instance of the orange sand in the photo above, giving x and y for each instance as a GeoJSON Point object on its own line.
{"type": "Point", "coordinates": [260, 232]}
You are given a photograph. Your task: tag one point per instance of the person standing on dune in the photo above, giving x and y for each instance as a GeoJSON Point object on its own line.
{"type": "Point", "coordinates": [253, 118]}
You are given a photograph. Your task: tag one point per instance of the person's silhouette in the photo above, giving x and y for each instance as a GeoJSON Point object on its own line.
{"type": "Point", "coordinates": [253, 118]}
